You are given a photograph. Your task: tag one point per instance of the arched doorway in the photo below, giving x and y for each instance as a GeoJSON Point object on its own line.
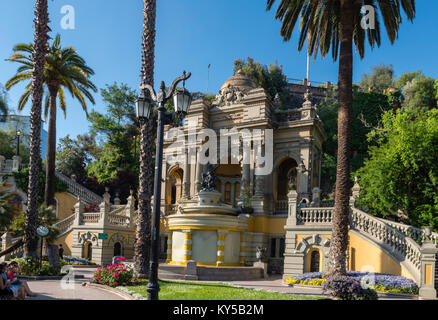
{"type": "Point", "coordinates": [314, 261]}
{"type": "Point", "coordinates": [88, 250]}
{"type": "Point", "coordinates": [174, 191]}
{"type": "Point", "coordinates": [286, 177]}
{"type": "Point", "coordinates": [117, 249]}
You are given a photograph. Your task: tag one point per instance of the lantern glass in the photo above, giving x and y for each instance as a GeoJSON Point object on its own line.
{"type": "Point", "coordinates": [182, 100]}
{"type": "Point", "coordinates": [143, 107]}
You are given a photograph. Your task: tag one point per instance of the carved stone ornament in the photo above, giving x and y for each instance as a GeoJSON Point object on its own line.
{"type": "Point", "coordinates": [228, 95]}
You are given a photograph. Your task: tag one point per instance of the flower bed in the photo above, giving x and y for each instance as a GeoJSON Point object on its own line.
{"type": "Point", "coordinates": [113, 275]}
{"type": "Point", "coordinates": [380, 282]}
{"type": "Point", "coordinates": [75, 261]}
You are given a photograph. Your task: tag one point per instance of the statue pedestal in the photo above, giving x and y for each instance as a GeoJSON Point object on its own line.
{"type": "Point", "coordinates": [209, 198]}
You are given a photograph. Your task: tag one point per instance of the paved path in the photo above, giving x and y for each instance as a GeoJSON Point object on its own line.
{"type": "Point", "coordinates": [53, 289]}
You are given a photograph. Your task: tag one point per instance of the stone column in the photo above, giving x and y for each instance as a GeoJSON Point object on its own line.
{"type": "Point", "coordinates": [187, 245]}
{"type": "Point", "coordinates": [6, 243]}
{"type": "Point", "coordinates": [199, 171]}
{"type": "Point", "coordinates": [245, 180]}
{"type": "Point", "coordinates": [104, 210]}
{"type": "Point", "coordinates": [428, 262]}
{"type": "Point", "coordinates": [316, 197]}
{"type": "Point", "coordinates": [186, 180]}
{"type": "Point", "coordinates": [259, 186]}
{"type": "Point", "coordinates": [243, 237]}
{"type": "Point", "coordinates": [220, 247]}
{"type": "Point", "coordinates": [232, 193]}
{"type": "Point", "coordinates": [169, 247]}
{"type": "Point", "coordinates": [292, 208]}
{"type": "Point", "coordinates": [79, 210]}
{"type": "Point", "coordinates": [16, 162]}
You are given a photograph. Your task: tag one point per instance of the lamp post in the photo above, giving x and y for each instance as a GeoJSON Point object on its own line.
{"type": "Point", "coordinates": [144, 105]}
{"type": "Point", "coordinates": [18, 142]}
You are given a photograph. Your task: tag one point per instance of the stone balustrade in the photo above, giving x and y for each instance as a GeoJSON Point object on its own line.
{"type": "Point", "coordinates": [281, 206]}
{"type": "Point", "coordinates": [315, 215]}
{"type": "Point", "coordinates": [78, 190]}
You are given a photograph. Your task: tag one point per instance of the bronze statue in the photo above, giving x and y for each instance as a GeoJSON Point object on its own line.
{"type": "Point", "coordinates": [209, 179]}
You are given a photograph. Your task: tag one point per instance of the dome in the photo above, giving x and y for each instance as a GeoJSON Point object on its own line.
{"type": "Point", "coordinates": [241, 81]}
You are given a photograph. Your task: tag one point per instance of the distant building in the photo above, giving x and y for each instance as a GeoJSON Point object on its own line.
{"type": "Point", "coordinates": [14, 123]}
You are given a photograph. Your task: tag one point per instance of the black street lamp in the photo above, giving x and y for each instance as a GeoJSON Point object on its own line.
{"type": "Point", "coordinates": [144, 105]}
{"type": "Point", "coordinates": [18, 142]}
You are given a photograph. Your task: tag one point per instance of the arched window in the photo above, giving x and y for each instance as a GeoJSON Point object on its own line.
{"type": "Point", "coordinates": [227, 197]}
{"type": "Point", "coordinates": [286, 177]}
{"type": "Point", "coordinates": [314, 261]}
{"type": "Point", "coordinates": [117, 249]}
{"type": "Point", "coordinates": [236, 192]}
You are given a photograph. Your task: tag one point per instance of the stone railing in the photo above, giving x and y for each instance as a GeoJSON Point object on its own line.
{"type": "Point", "coordinates": [281, 206]}
{"type": "Point", "coordinates": [416, 234]}
{"type": "Point", "coordinates": [65, 225]}
{"type": "Point", "coordinates": [90, 217]}
{"type": "Point", "coordinates": [314, 215]}
{"type": "Point", "coordinates": [396, 242]}
{"type": "Point", "coordinates": [118, 220]}
{"type": "Point", "coordinates": [78, 190]}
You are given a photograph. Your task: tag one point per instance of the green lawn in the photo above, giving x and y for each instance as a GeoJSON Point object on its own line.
{"type": "Point", "coordinates": [172, 290]}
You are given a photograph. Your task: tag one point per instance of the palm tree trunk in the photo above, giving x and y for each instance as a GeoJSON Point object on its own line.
{"type": "Point", "coordinates": [49, 194]}
{"type": "Point", "coordinates": [339, 240]}
{"type": "Point", "coordinates": [146, 181]}
{"type": "Point", "coordinates": [39, 55]}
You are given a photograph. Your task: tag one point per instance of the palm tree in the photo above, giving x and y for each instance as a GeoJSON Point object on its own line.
{"type": "Point", "coordinates": [146, 181]}
{"type": "Point", "coordinates": [336, 24]}
{"type": "Point", "coordinates": [39, 54]}
{"type": "Point", "coordinates": [64, 68]}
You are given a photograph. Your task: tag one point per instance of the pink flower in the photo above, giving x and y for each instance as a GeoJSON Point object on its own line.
{"type": "Point", "coordinates": [116, 275]}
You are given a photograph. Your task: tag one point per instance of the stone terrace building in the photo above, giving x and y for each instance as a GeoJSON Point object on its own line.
{"type": "Point", "coordinates": [297, 135]}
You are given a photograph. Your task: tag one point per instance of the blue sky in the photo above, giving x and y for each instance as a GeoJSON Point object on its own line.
{"type": "Point", "coordinates": [190, 35]}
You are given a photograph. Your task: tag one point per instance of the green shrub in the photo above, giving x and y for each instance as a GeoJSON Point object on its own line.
{"type": "Point", "coordinates": [113, 275]}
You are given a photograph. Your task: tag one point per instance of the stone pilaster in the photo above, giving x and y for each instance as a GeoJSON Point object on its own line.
{"type": "Point", "coordinates": [428, 262]}
{"type": "Point", "coordinates": [169, 247]}
{"type": "Point", "coordinates": [243, 239]}
{"type": "Point", "coordinates": [292, 208]}
{"type": "Point", "coordinates": [187, 245]}
{"type": "Point", "coordinates": [220, 247]}
{"type": "Point", "coordinates": [79, 210]}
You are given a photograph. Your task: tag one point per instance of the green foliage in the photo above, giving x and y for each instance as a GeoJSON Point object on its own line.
{"type": "Point", "coordinates": [22, 180]}
{"type": "Point", "coordinates": [8, 146]}
{"type": "Point", "coordinates": [407, 77]}
{"type": "Point", "coordinates": [379, 80]}
{"type": "Point", "coordinates": [3, 103]}
{"type": "Point", "coordinates": [7, 210]}
{"type": "Point", "coordinates": [367, 110]}
{"type": "Point", "coordinates": [269, 78]}
{"type": "Point", "coordinates": [64, 69]}
{"type": "Point", "coordinates": [420, 93]}
{"type": "Point", "coordinates": [31, 267]}
{"type": "Point", "coordinates": [116, 129]}
{"type": "Point", "coordinates": [46, 217]}
{"type": "Point", "coordinates": [401, 175]}
{"type": "Point", "coordinates": [73, 155]}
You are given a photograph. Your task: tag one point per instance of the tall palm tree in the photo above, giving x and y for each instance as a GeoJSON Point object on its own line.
{"type": "Point", "coordinates": [336, 24]}
{"type": "Point", "coordinates": [39, 54]}
{"type": "Point", "coordinates": [146, 181]}
{"type": "Point", "coordinates": [64, 68]}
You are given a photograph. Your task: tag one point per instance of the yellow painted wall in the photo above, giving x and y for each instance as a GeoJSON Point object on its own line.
{"type": "Point", "coordinates": [67, 242]}
{"type": "Point", "coordinates": [66, 203]}
{"type": "Point", "coordinates": [367, 257]}
{"type": "Point", "coordinates": [267, 225]}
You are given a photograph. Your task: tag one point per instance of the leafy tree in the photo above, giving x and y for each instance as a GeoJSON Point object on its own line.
{"type": "Point", "coordinates": [337, 25]}
{"type": "Point", "coordinates": [407, 77]}
{"type": "Point", "coordinates": [8, 146]}
{"type": "Point", "coordinates": [269, 78]}
{"type": "Point", "coordinates": [46, 217]}
{"type": "Point", "coordinates": [420, 92]}
{"type": "Point", "coordinates": [115, 129]}
{"type": "Point", "coordinates": [73, 155]}
{"type": "Point", "coordinates": [381, 78]}
{"type": "Point", "coordinates": [64, 69]}
{"type": "Point", "coordinates": [22, 177]}
{"type": "Point", "coordinates": [7, 210]}
{"type": "Point", "coordinates": [401, 176]}
{"type": "Point", "coordinates": [368, 108]}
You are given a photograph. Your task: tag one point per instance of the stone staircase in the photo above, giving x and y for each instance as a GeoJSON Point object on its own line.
{"type": "Point", "coordinates": [78, 190]}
